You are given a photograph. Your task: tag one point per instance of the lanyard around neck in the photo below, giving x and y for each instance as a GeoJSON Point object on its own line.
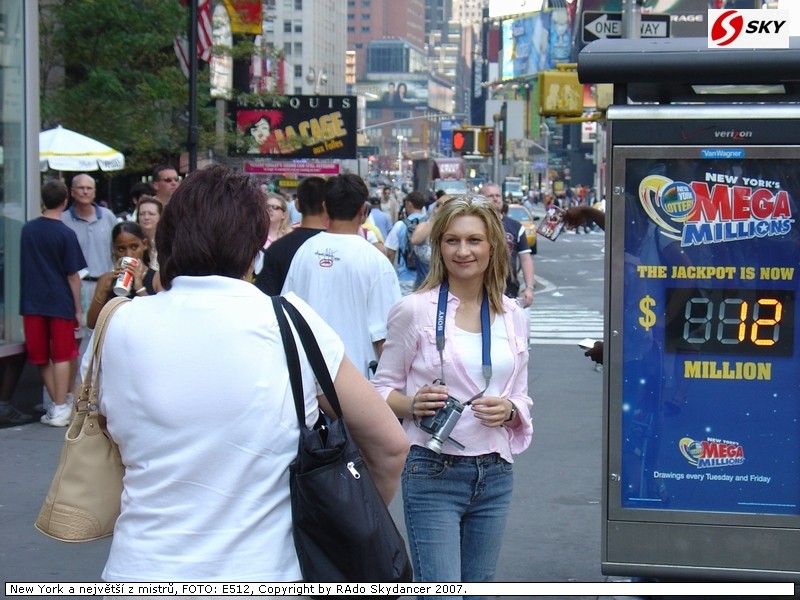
{"type": "Point", "coordinates": [486, 334]}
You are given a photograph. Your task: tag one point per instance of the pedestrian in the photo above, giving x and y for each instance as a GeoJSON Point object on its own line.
{"type": "Point", "coordinates": [50, 298]}
{"type": "Point", "coordinates": [165, 182]}
{"type": "Point", "coordinates": [138, 189]}
{"type": "Point", "coordinates": [278, 257]}
{"type": "Point", "coordinates": [92, 224]}
{"type": "Point", "coordinates": [573, 218]}
{"type": "Point", "coordinates": [350, 283]}
{"type": "Point", "coordinates": [127, 240]}
{"type": "Point", "coordinates": [149, 214]}
{"type": "Point", "coordinates": [411, 261]}
{"type": "Point", "coordinates": [278, 211]}
{"type": "Point", "coordinates": [517, 246]}
{"type": "Point", "coordinates": [378, 218]}
{"type": "Point", "coordinates": [456, 495]}
{"type": "Point", "coordinates": [196, 393]}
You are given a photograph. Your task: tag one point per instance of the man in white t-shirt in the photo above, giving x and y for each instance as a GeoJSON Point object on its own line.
{"type": "Point", "coordinates": [350, 283]}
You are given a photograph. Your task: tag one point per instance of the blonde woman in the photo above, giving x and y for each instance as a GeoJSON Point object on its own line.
{"type": "Point", "coordinates": [279, 223]}
{"type": "Point", "coordinates": [459, 337]}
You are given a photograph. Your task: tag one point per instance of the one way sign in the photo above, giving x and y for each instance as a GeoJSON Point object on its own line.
{"type": "Point", "coordinates": [601, 25]}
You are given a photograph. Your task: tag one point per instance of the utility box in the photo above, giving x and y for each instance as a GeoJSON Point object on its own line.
{"type": "Point", "coordinates": [701, 461]}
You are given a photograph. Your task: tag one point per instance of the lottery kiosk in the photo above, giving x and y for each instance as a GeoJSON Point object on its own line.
{"type": "Point", "coordinates": [702, 343]}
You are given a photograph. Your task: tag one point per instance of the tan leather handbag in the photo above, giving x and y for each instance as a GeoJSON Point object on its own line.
{"type": "Point", "coordinates": [83, 502]}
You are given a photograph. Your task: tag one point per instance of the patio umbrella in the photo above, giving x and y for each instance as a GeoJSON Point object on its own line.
{"type": "Point", "coordinates": [65, 150]}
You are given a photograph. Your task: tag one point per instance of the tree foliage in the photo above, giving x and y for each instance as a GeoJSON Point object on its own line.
{"type": "Point", "coordinates": [110, 72]}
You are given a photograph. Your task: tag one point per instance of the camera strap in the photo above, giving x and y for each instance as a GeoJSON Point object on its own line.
{"type": "Point", "coordinates": [486, 336]}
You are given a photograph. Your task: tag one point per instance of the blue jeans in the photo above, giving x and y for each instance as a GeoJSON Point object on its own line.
{"type": "Point", "coordinates": [455, 510]}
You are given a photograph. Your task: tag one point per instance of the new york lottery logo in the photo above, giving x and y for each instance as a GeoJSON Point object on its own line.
{"type": "Point", "coordinates": [756, 28]}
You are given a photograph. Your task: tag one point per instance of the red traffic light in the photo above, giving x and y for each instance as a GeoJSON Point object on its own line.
{"type": "Point", "coordinates": [459, 141]}
{"type": "Point", "coordinates": [464, 141]}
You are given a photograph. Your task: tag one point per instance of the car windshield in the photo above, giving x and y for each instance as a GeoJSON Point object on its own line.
{"type": "Point", "coordinates": [518, 213]}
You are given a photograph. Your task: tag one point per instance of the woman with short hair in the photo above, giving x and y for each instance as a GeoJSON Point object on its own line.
{"type": "Point", "coordinates": [207, 436]}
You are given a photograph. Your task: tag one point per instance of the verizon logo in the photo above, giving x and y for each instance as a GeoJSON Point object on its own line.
{"type": "Point", "coordinates": [733, 134]}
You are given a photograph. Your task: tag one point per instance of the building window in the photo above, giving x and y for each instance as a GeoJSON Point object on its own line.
{"type": "Point", "coordinates": [359, 45]}
{"type": "Point", "coordinates": [366, 3]}
{"type": "Point", "coordinates": [351, 17]}
{"type": "Point", "coordinates": [365, 29]}
{"type": "Point", "coordinates": [298, 27]}
{"type": "Point", "coordinates": [352, 30]}
{"type": "Point", "coordinates": [298, 90]}
{"type": "Point", "coordinates": [298, 48]}
{"type": "Point", "coordinates": [287, 27]}
{"type": "Point", "coordinates": [298, 70]}
{"type": "Point", "coordinates": [287, 48]}
{"type": "Point", "coordinates": [298, 4]}
{"type": "Point", "coordinates": [366, 16]}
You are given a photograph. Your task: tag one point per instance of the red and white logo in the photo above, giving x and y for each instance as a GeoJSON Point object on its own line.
{"type": "Point", "coordinates": [757, 28]}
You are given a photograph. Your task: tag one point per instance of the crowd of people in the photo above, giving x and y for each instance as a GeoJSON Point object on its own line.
{"type": "Point", "coordinates": [418, 310]}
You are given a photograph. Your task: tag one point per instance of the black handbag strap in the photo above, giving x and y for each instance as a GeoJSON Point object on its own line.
{"type": "Point", "coordinates": [283, 307]}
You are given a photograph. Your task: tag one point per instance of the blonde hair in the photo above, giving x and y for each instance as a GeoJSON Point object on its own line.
{"type": "Point", "coordinates": [286, 224]}
{"type": "Point", "coordinates": [494, 279]}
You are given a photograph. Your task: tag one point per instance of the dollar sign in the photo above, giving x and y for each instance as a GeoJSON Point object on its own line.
{"type": "Point", "coordinates": [648, 318]}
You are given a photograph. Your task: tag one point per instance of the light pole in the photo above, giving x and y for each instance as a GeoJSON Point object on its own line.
{"type": "Point", "coordinates": [316, 78]}
{"type": "Point", "coordinates": [543, 125]}
{"type": "Point", "coordinates": [400, 160]}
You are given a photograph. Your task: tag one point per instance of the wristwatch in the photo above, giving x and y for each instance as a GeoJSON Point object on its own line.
{"type": "Point", "coordinates": [513, 413]}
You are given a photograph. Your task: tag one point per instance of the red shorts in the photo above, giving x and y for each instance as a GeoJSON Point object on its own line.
{"type": "Point", "coordinates": [49, 338]}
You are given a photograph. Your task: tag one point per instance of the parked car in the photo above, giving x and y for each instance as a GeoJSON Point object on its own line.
{"type": "Point", "coordinates": [520, 213]}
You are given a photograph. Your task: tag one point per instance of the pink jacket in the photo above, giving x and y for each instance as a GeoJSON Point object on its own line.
{"type": "Point", "coordinates": [410, 360]}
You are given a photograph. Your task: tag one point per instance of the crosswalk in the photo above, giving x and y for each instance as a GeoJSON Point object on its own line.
{"type": "Point", "coordinates": [553, 322]}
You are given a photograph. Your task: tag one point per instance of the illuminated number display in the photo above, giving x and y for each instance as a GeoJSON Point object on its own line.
{"type": "Point", "coordinates": [730, 321]}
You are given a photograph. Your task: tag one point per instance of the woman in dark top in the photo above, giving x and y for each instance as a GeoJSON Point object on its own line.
{"type": "Point", "coordinates": [127, 239]}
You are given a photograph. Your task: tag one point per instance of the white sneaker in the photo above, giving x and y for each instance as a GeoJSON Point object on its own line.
{"type": "Point", "coordinates": [57, 416]}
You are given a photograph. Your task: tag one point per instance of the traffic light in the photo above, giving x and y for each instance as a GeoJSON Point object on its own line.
{"type": "Point", "coordinates": [486, 141]}
{"type": "Point", "coordinates": [464, 141]}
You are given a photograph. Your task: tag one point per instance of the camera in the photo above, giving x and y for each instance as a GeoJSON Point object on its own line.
{"type": "Point", "coordinates": [441, 424]}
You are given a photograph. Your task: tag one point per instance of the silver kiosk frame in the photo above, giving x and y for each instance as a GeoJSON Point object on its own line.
{"type": "Point", "coordinates": [676, 101]}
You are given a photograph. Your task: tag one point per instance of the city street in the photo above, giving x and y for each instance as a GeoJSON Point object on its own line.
{"type": "Point", "coordinates": [554, 529]}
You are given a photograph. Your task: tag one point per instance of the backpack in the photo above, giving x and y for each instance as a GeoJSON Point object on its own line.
{"type": "Point", "coordinates": [411, 251]}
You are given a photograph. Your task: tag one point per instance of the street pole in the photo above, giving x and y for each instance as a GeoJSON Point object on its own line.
{"type": "Point", "coordinates": [496, 149]}
{"type": "Point", "coordinates": [192, 137]}
{"type": "Point", "coordinates": [543, 125]}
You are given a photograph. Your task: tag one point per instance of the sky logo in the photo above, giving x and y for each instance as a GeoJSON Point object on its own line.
{"type": "Point", "coordinates": [761, 28]}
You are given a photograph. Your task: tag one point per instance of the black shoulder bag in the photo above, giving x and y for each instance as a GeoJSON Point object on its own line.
{"type": "Point", "coordinates": [343, 531]}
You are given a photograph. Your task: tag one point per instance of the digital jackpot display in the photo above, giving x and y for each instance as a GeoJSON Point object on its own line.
{"type": "Point", "coordinates": [710, 377]}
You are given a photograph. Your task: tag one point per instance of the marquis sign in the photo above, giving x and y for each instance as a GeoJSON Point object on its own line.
{"type": "Point", "coordinates": [320, 127]}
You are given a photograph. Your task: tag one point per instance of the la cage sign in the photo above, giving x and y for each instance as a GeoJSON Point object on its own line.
{"type": "Point", "coordinates": [298, 126]}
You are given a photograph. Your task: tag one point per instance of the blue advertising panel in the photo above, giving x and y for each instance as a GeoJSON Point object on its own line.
{"type": "Point", "coordinates": [446, 127]}
{"type": "Point", "coordinates": [536, 43]}
{"type": "Point", "coordinates": [710, 383]}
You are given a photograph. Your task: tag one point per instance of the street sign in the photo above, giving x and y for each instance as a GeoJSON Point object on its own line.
{"type": "Point", "coordinates": [602, 25]}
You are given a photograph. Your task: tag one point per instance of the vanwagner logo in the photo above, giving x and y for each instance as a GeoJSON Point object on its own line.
{"type": "Point", "coordinates": [756, 28]}
{"type": "Point", "coordinates": [711, 452]}
{"type": "Point", "coordinates": [722, 207]}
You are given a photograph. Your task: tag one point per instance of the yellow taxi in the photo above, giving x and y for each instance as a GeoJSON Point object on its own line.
{"type": "Point", "coordinates": [520, 213]}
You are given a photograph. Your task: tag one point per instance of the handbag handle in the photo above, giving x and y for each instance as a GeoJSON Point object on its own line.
{"type": "Point", "coordinates": [88, 393]}
{"type": "Point", "coordinates": [282, 306]}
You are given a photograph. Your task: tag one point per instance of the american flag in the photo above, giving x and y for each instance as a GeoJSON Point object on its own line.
{"type": "Point", "coordinates": [204, 39]}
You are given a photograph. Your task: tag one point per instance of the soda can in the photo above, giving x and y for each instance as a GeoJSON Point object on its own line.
{"type": "Point", "coordinates": [122, 287]}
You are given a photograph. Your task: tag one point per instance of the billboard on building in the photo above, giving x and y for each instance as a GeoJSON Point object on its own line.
{"type": "Point", "coordinates": [299, 127]}
{"type": "Point", "coordinates": [536, 43]}
{"type": "Point", "coordinates": [397, 93]}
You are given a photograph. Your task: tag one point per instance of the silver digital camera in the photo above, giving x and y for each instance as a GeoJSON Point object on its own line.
{"type": "Point", "coordinates": [441, 424]}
